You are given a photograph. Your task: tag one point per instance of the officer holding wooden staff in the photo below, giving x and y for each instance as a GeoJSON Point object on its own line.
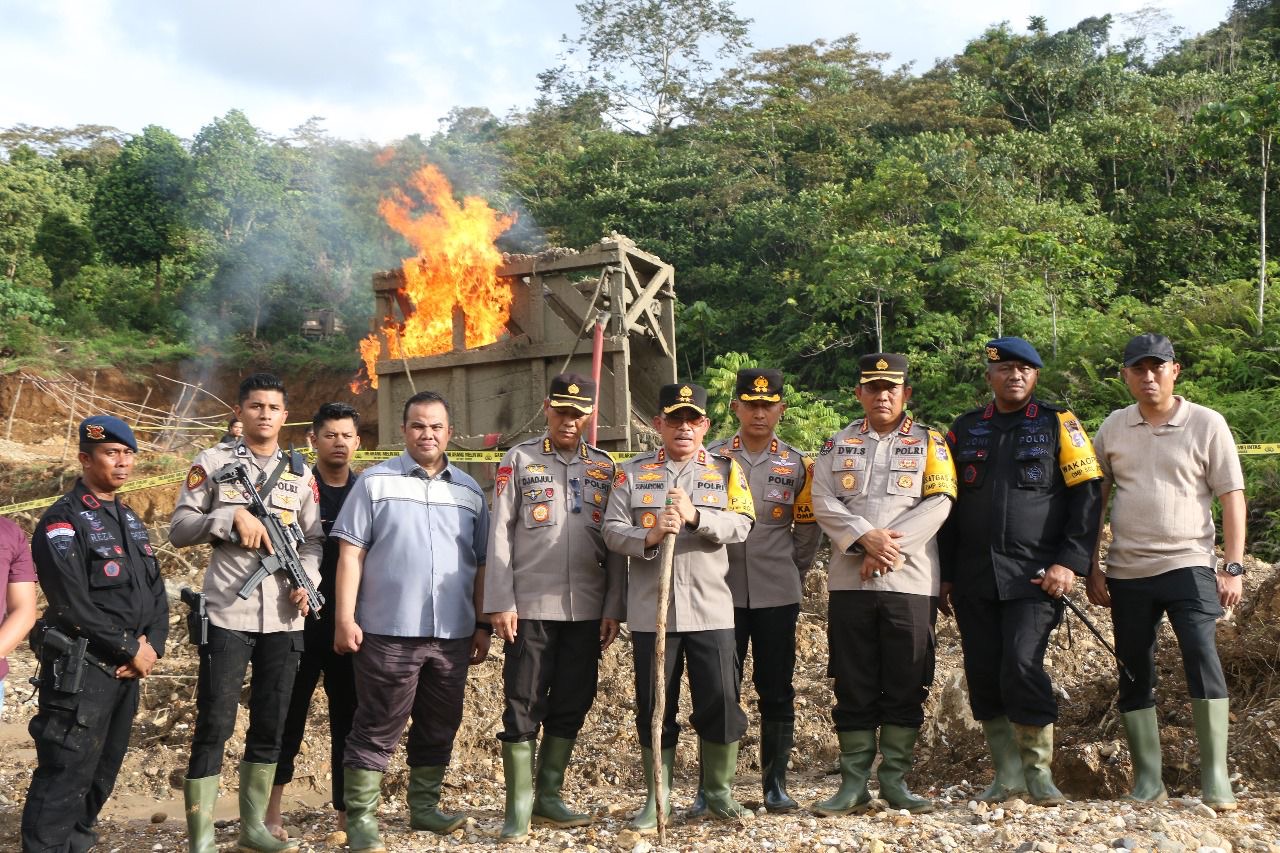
{"type": "Point", "coordinates": [704, 500]}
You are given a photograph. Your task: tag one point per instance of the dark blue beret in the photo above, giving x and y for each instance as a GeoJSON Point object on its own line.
{"type": "Point", "coordinates": [1013, 349]}
{"type": "Point", "coordinates": [101, 429]}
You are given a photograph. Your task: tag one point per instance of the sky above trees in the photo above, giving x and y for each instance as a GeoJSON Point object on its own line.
{"type": "Point", "coordinates": [386, 70]}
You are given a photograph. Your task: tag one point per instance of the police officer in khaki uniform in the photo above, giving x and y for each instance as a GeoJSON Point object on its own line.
{"type": "Point", "coordinates": [99, 572]}
{"type": "Point", "coordinates": [1029, 501]}
{"type": "Point", "coordinates": [556, 597]}
{"type": "Point", "coordinates": [882, 488]}
{"type": "Point", "coordinates": [703, 499]}
{"type": "Point", "coordinates": [767, 571]}
{"type": "Point", "coordinates": [265, 629]}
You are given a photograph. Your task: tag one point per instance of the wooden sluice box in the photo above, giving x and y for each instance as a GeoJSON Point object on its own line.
{"type": "Point", "coordinates": [496, 391]}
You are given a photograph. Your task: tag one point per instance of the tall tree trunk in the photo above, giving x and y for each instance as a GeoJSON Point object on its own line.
{"type": "Point", "coordinates": [879, 320]}
{"type": "Point", "coordinates": [1262, 228]}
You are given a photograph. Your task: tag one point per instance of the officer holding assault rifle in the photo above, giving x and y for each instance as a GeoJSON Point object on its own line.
{"type": "Point", "coordinates": [259, 507]}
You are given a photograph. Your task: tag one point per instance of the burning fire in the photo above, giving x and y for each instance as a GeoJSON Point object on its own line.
{"type": "Point", "coordinates": [456, 265]}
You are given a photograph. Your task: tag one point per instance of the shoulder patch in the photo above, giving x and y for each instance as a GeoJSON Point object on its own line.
{"type": "Point", "coordinates": [196, 477]}
{"type": "Point", "coordinates": [620, 479]}
{"type": "Point", "coordinates": [1076, 458]}
{"type": "Point", "coordinates": [315, 491]}
{"type": "Point", "coordinates": [826, 446]}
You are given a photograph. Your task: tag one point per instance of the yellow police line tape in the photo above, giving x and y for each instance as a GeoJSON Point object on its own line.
{"type": "Point", "coordinates": [454, 456]}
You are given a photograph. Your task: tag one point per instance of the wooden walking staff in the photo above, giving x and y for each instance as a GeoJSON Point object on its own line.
{"type": "Point", "coordinates": [667, 556]}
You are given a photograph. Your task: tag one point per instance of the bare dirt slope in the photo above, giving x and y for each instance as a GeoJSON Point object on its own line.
{"type": "Point", "coordinates": [1091, 764]}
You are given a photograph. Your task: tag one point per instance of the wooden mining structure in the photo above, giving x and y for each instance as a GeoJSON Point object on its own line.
{"type": "Point", "coordinates": [496, 391]}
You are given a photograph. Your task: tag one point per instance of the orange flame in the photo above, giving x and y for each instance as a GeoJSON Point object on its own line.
{"type": "Point", "coordinates": [456, 265]}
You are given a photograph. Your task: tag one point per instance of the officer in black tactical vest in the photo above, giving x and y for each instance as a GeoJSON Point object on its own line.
{"type": "Point", "coordinates": [104, 628]}
{"type": "Point", "coordinates": [1029, 496]}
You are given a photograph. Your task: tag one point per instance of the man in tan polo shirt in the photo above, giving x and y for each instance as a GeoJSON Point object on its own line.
{"type": "Point", "coordinates": [1164, 460]}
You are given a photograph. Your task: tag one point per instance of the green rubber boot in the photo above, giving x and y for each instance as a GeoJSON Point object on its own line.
{"type": "Point", "coordinates": [548, 807]}
{"type": "Point", "coordinates": [857, 752]}
{"type": "Point", "coordinates": [424, 800]}
{"type": "Point", "coordinates": [897, 743]}
{"type": "Point", "coordinates": [1212, 721]}
{"type": "Point", "coordinates": [719, 766]}
{"type": "Point", "coordinates": [517, 772]}
{"type": "Point", "coordinates": [776, 741]}
{"type": "Point", "coordinates": [200, 796]}
{"type": "Point", "coordinates": [1035, 747]}
{"type": "Point", "coordinates": [1009, 781]}
{"type": "Point", "coordinates": [1143, 732]}
{"type": "Point", "coordinates": [255, 790]}
{"type": "Point", "coordinates": [646, 822]}
{"type": "Point", "coordinates": [362, 789]}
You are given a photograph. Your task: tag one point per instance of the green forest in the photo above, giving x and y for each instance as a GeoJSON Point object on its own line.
{"type": "Point", "coordinates": [1072, 187]}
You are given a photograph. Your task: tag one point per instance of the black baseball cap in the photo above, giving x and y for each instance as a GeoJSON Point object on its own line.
{"type": "Point", "coordinates": [1148, 345]}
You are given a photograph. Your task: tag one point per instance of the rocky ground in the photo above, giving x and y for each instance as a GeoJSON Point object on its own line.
{"type": "Point", "coordinates": [1092, 763]}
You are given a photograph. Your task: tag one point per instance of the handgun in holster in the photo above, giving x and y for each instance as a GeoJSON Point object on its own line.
{"type": "Point", "coordinates": [197, 616]}
{"type": "Point", "coordinates": [67, 657]}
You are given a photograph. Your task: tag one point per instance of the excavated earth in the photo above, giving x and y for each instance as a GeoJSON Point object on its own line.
{"type": "Point", "coordinates": [1091, 763]}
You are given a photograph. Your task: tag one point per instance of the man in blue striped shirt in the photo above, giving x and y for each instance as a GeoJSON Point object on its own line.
{"type": "Point", "coordinates": [413, 534]}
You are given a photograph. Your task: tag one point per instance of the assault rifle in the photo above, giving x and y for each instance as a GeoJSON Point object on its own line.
{"type": "Point", "coordinates": [284, 539]}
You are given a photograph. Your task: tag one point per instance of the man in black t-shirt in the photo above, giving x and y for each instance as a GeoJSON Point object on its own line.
{"type": "Point", "coordinates": [336, 437]}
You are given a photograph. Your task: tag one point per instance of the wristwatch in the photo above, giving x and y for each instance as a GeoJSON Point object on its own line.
{"type": "Point", "coordinates": [1233, 569]}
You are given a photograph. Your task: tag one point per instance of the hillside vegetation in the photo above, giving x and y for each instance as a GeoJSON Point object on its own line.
{"type": "Point", "coordinates": [1073, 187]}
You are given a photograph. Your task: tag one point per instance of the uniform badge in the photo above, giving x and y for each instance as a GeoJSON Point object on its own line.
{"type": "Point", "coordinates": [551, 493]}
{"type": "Point", "coordinates": [848, 462]}
{"type": "Point", "coordinates": [652, 466]}
{"type": "Point", "coordinates": [147, 549]}
{"type": "Point", "coordinates": [647, 498]}
{"type": "Point", "coordinates": [1075, 432]}
{"type": "Point", "coordinates": [649, 478]}
{"type": "Point", "coordinates": [596, 516]}
{"type": "Point", "coordinates": [853, 439]}
{"type": "Point", "coordinates": [598, 498]}
{"type": "Point", "coordinates": [232, 493]}
{"type": "Point", "coordinates": [95, 432]}
{"type": "Point", "coordinates": [90, 501]}
{"type": "Point", "coordinates": [620, 479]}
{"type": "Point", "coordinates": [56, 529]}
{"type": "Point", "coordinates": [92, 519]}
{"type": "Point", "coordinates": [910, 442]}
{"type": "Point", "coordinates": [648, 520]}
{"type": "Point", "coordinates": [118, 550]}
{"type": "Point", "coordinates": [196, 477]}
{"type": "Point", "coordinates": [500, 483]}
{"type": "Point", "coordinates": [783, 470]}
{"type": "Point", "coordinates": [535, 468]}
{"type": "Point", "coordinates": [597, 474]}
{"type": "Point", "coordinates": [315, 491]}
{"type": "Point", "coordinates": [848, 481]}
{"type": "Point", "coordinates": [826, 447]}
{"type": "Point", "coordinates": [286, 477]}
{"type": "Point", "coordinates": [111, 569]}
{"type": "Point", "coordinates": [905, 481]}
{"type": "Point", "coordinates": [777, 512]}
{"type": "Point", "coordinates": [908, 464]}
{"type": "Point", "coordinates": [286, 518]}
{"type": "Point", "coordinates": [711, 498]}
{"type": "Point", "coordinates": [541, 513]}
{"type": "Point", "coordinates": [970, 473]}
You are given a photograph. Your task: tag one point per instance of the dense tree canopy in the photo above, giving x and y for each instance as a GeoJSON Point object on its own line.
{"type": "Point", "coordinates": [1073, 187]}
